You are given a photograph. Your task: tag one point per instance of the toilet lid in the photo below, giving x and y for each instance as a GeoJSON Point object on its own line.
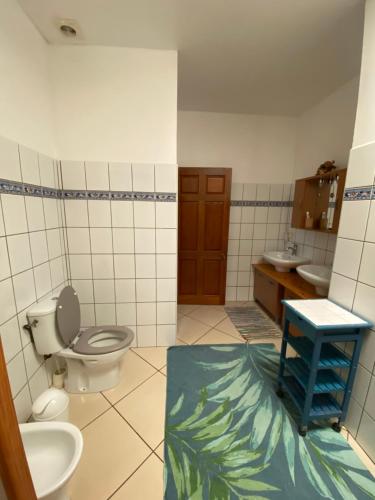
{"type": "Point", "coordinates": [68, 315]}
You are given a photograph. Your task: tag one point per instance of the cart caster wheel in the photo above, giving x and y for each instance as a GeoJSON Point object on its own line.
{"type": "Point", "coordinates": [336, 427]}
{"type": "Point", "coordinates": [302, 431]}
{"type": "Point", "coordinates": [280, 393]}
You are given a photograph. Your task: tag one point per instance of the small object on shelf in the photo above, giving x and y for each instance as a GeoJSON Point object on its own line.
{"type": "Point", "coordinates": [309, 221]}
{"type": "Point", "coordinates": [323, 223]}
{"type": "Point", "coordinates": [326, 167]}
{"type": "Point", "coordinates": [311, 379]}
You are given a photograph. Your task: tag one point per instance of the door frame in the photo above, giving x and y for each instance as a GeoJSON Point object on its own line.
{"type": "Point", "coordinates": [14, 469]}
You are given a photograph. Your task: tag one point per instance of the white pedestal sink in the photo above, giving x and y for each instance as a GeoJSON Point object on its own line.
{"type": "Point", "coordinates": [319, 276]}
{"type": "Point", "coordinates": [284, 261]}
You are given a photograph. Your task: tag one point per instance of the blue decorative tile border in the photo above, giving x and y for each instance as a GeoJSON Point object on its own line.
{"type": "Point", "coordinates": [260, 203]}
{"type": "Point", "coordinates": [20, 188]}
{"type": "Point", "coordinates": [359, 193]}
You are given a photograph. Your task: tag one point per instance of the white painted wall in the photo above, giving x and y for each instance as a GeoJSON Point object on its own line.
{"type": "Point", "coordinates": [115, 103]}
{"type": "Point", "coordinates": [325, 132]}
{"type": "Point", "coordinates": [25, 110]}
{"type": "Point", "coordinates": [259, 149]}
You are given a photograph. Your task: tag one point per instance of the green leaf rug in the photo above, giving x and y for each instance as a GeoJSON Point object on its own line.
{"type": "Point", "coordinates": [228, 436]}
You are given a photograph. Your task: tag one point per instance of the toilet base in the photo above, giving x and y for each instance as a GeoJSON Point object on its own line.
{"type": "Point", "coordinates": [93, 375]}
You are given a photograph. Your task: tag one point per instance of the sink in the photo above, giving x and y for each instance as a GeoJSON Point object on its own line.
{"type": "Point", "coordinates": [284, 261]}
{"type": "Point", "coordinates": [319, 276]}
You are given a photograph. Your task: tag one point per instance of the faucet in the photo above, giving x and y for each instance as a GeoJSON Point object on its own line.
{"type": "Point", "coordinates": [292, 247]}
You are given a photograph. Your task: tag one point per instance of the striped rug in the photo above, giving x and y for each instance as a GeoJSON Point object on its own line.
{"type": "Point", "coordinates": [252, 323]}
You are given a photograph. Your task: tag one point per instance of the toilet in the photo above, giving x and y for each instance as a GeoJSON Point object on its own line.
{"type": "Point", "coordinates": [93, 356]}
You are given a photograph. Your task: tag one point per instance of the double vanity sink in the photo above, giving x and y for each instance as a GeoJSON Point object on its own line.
{"type": "Point", "coordinates": [316, 275]}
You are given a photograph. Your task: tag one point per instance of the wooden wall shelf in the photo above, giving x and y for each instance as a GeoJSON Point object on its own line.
{"type": "Point", "coordinates": [311, 195]}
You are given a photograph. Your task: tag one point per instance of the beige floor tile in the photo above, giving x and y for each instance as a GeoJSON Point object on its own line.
{"type": "Point", "coordinates": [111, 453]}
{"type": "Point", "coordinates": [210, 315]}
{"type": "Point", "coordinates": [134, 372]}
{"type": "Point", "coordinates": [189, 330]}
{"type": "Point", "coordinates": [180, 342]}
{"type": "Point", "coordinates": [216, 337]}
{"type": "Point", "coordinates": [186, 308]}
{"type": "Point", "coordinates": [160, 451]}
{"type": "Point", "coordinates": [85, 407]}
{"type": "Point", "coordinates": [156, 356]}
{"type": "Point", "coordinates": [228, 327]}
{"type": "Point", "coordinates": [144, 409]}
{"type": "Point", "coordinates": [145, 484]}
{"type": "Point", "coordinates": [164, 370]}
{"type": "Point", "coordinates": [362, 455]}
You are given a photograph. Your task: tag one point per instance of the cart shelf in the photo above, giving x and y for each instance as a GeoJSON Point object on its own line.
{"type": "Point", "coordinates": [330, 356]}
{"type": "Point", "coordinates": [326, 380]}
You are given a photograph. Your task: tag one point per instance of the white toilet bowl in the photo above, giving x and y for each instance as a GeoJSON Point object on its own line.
{"type": "Point", "coordinates": [53, 451]}
{"type": "Point", "coordinates": [93, 356]}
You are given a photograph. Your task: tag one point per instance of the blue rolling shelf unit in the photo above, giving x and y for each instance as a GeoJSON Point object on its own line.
{"type": "Point", "coordinates": [311, 379]}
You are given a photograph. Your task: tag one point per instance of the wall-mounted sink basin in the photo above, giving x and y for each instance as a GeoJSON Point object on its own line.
{"type": "Point", "coordinates": [284, 261]}
{"type": "Point", "coordinates": [319, 276]}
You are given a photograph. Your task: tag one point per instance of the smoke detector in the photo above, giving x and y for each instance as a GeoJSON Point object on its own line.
{"type": "Point", "coordinates": [69, 28]}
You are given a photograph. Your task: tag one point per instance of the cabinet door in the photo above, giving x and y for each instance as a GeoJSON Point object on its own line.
{"type": "Point", "coordinates": [293, 330]}
{"type": "Point", "coordinates": [268, 293]}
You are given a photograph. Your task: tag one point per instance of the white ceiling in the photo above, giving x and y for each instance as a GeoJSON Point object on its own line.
{"type": "Point", "coordinates": [240, 56]}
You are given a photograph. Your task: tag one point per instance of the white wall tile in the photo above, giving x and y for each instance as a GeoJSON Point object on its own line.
{"type": "Point", "coordinates": [370, 401]}
{"type": "Point", "coordinates": [51, 213]}
{"type": "Point", "coordinates": [16, 373]}
{"type": "Point", "coordinates": [14, 213]}
{"type": "Point", "coordinates": [242, 293]}
{"type": "Point", "coordinates": [87, 315]}
{"type": "Point", "coordinates": [146, 335]}
{"type": "Point", "coordinates": [361, 385]}
{"type": "Point", "coordinates": [235, 215]}
{"type": "Point", "coordinates": [33, 360]}
{"type": "Point", "coordinates": [246, 232]}
{"type": "Point", "coordinates": [166, 215]}
{"type": "Point", "coordinates": [166, 290]}
{"type": "Point", "coordinates": [105, 314]}
{"type": "Point", "coordinates": [42, 278]}
{"type": "Point", "coordinates": [143, 177]}
{"type": "Point", "coordinates": [353, 417]}
{"type": "Point", "coordinates": [248, 214]}
{"type": "Point", "coordinates": [145, 240]}
{"type": "Point", "coordinates": [276, 192]}
{"type": "Point", "coordinates": [361, 168]}
{"type": "Point", "coordinates": [236, 191]}
{"type": "Point", "coordinates": [166, 313]}
{"type": "Point", "coordinates": [166, 178]}
{"type": "Point", "coordinates": [244, 263]}
{"type": "Point", "coordinates": [102, 266]}
{"type": "Point", "coordinates": [348, 257]}
{"type": "Point", "coordinates": [29, 166]}
{"type": "Point", "coordinates": [4, 259]}
{"type": "Point", "coordinates": [122, 213]}
{"type": "Point", "coordinates": [145, 266]}
{"type": "Point", "coordinates": [123, 240]}
{"type": "Point", "coordinates": [73, 175]}
{"type": "Point", "coordinates": [54, 243]}
{"type": "Point", "coordinates": [258, 247]}
{"type": "Point", "coordinates": [24, 289]}
{"type": "Point", "coordinates": [22, 404]}
{"type": "Point", "coordinates": [366, 434]}
{"type": "Point", "coordinates": [97, 178]}
{"type": "Point", "coordinates": [38, 383]}
{"type": "Point", "coordinates": [232, 263]}
{"type": "Point", "coordinates": [58, 271]}
{"type": "Point", "coordinates": [146, 290]}
{"type": "Point", "coordinates": [263, 192]}
{"type": "Point", "coordinates": [125, 266]}
{"type": "Point", "coordinates": [166, 241]}
{"type": "Point", "coordinates": [76, 213]}
{"type": "Point", "coordinates": [101, 240]}
{"type": "Point", "coordinates": [245, 247]}
{"type": "Point", "coordinates": [144, 214]}
{"type": "Point", "coordinates": [104, 291]}
{"type": "Point", "coordinates": [120, 177]}
{"type": "Point", "coordinates": [233, 247]}
{"type": "Point", "coordinates": [370, 232]}
{"type": "Point", "coordinates": [261, 214]}
{"type": "Point", "coordinates": [166, 266]}
{"type": "Point", "coordinates": [39, 249]}
{"type": "Point", "coordinates": [165, 335]}
{"type": "Point", "coordinates": [9, 160]}
{"type": "Point", "coordinates": [367, 358]}
{"type": "Point", "coordinates": [367, 269]}
{"type": "Point", "coordinates": [19, 253]}
{"type": "Point", "coordinates": [272, 232]}
{"type": "Point", "coordinates": [10, 338]}
{"type": "Point", "coordinates": [80, 266]}
{"type": "Point", "coordinates": [126, 314]}
{"type": "Point", "coordinates": [234, 231]}
{"type": "Point", "coordinates": [125, 290]}
{"type": "Point", "coordinates": [47, 171]}
{"type": "Point", "coordinates": [146, 313]}
{"type": "Point", "coordinates": [342, 290]}
{"type": "Point", "coordinates": [364, 302]}
{"type": "Point", "coordinates": [84, 289]}
{"type": "Point", "coordinates": [354, 211]}
{"type": "Point", "coordinates": [99, 213]}
{"type": "Point", "coordinates": [274, 215]}
{"type": "Point", "coordinates": [35, 213]}
{"type": "Point", "coordinates": [78, 240]}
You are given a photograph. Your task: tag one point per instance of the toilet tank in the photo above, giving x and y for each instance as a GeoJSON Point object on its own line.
{"type": "Point", "coordinates": [42, 319]}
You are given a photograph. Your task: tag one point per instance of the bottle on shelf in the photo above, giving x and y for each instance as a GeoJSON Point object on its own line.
{"type": "Point", "coordinates": [309, 221]}
{"type": "Point", "coordinates": [323, 221]}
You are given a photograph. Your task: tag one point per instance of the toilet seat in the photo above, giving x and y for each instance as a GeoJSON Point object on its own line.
{"type": "Point", "coordinates": [93, 341]}
{"type": "Point", "coordinates": [122, 335]}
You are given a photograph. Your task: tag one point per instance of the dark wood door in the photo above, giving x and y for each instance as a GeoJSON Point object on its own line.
{"type": "Point", "coordinates": [203, 223]}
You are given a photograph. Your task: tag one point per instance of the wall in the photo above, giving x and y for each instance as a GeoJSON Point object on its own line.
{"type": "Point", "coordinates": [121, 103]}
{"type": "Point", "coordinates": [24, 83]}
{"type": "Point", "coordinates": [259, 149]}
{"type": "Point", "coordinates": [353, 280]}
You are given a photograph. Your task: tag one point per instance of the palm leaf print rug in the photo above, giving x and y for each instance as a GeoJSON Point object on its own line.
{"type": "Point", "coordinates": [252, 323]}
{"type": "Point", "coordinates": [228, 436]}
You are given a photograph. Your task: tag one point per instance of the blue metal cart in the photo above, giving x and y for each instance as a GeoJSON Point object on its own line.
{"type": "Point", "coordinates": [313, 379]}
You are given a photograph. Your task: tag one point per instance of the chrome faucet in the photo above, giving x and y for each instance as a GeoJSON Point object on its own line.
{"type": "Point", "coordinates": [292, 247]}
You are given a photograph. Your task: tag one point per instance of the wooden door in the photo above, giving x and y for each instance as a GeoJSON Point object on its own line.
{"type": "Point", "coordinates": [203, 223]}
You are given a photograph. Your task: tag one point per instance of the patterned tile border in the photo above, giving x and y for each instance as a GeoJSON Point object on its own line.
{"type": "Point", "coordinates": [359, 193]}
{"type": "Point", "coordinates": [259, 203]}
{"type": "Point", "coordinates": [20, 188]}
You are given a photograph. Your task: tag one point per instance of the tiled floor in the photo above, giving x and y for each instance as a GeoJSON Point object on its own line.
{"type": "Point", "coordinates": [123, 428]}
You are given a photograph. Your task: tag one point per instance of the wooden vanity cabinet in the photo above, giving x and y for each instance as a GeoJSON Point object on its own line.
{"type": "Point", "coordinates": [293, 330]}
{"type": "Point", "coordinates": [269, 294]}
